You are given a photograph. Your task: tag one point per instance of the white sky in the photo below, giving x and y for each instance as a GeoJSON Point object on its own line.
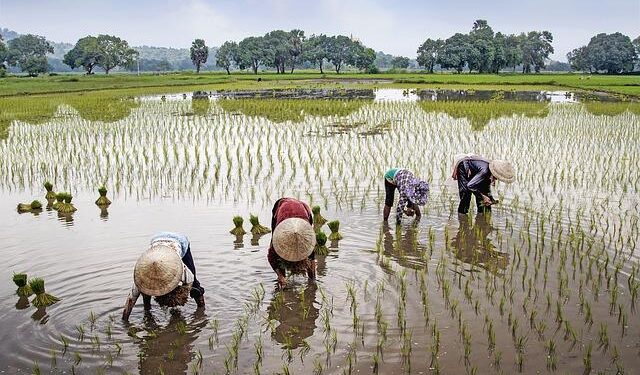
{"type": "Point", "coordinates": [396, 27]}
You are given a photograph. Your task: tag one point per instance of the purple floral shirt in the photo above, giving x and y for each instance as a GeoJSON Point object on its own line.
{"type": "Point", "coordinates": [411, 190]}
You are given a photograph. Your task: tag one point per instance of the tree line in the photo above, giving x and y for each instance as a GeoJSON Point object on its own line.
{"type": "Point", "coordinates": [481, 50]}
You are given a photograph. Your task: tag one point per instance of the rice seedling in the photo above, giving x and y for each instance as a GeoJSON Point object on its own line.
{"type": "Point", "coordinates": [321, 244]}
{"type": "Point", "coordinates": [24, 290]}
{"type": "Point", "coordinates": [102, 199]}
{"type": "Point", "coordinates": [256, 228]}
{"type": "Point", "coordinates": [66, 206]}
{"type": "Point", "coordinates": [318, 219]}
{"type": "Point", "coordinates": [51, 195]}
{"type": "Point", "coordinates": [238, 230]}
{"type": "Point", "coordinates": [42, 299]}
{"type": "Point", "coordinates": [334, 226]}
{"type": "Point", "coordinates": [34, 206]}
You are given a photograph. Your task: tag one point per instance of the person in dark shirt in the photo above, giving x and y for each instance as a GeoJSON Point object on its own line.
{"type": "Point", "coordinates": [475, 176]}
{"type": "Point", "coordinates": [293, 239]}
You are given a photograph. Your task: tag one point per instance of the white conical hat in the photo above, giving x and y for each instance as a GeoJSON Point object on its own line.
{"type": "Point", "coordinates": [294, 239]}
{"type": "Point", "coordinates": [158, 270]}
{"type": "Point", "coordinates": [502, 170]}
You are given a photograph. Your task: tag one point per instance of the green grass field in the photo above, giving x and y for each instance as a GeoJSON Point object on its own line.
{"type": "Point", "coordinates": [153, 83]}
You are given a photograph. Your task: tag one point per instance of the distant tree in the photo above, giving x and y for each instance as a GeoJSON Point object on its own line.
{"type": "Point", "coordinates": [499, 58]}
{"type": "Point", "coordinates": [251, 53]}
{"type": "Point", "coordinates": [536, 48]}
{"type": "Point", "coordinates": [276, 49]}
{"type": "Point", "coordinates": [428, 53]}
{"type": "Point", "coordinates": [613, 53]}
{"type": "Point", "coordinates": [513, 51]}
{"type": "Point", "coordinates": [455, 52]}
{"type": "Point", "coordinates": [636, 44]}
{"type": "Point", "coordinates": [28, 52]}
{"type": "Point", "coordinates": [480, 53]}
{"type": "Point", "coordinates": [316, 50]}
{"type": "Point", "coordinates": [296, 45]}
{"type": "Point", "coordinates": [114, 52]}
{"type": "Point", "coordinates": [3, 53]}
{"type": "Point", "coordinates": [85, 53]}
{"type": "Point", "coordinates": [579, 59]}
{"type": "Point", "coordinates": [363, 58]}
{"type": "Point", "coordinates": [340, 51]}
{"type": "Point", "coordinates": [199, 53]}
{"type": "Point", "coordinates": [227, 54]}
{"type": "Point", "coordinates": [400, 62]}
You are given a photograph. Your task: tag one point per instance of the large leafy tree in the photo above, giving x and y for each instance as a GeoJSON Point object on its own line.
{"type": "Point", "coordinates": [455, 52]}
{"type": "Point", "coordinates": [199, 53]}
{"type": "Point", "coordinates": [3, 52]}
{"type": "Point", "coordinates": [499, 58]}
{"type": "Point", "coordinates": [481, 47]}
{"type": "Point", "coordinates": [28, 52]}
{"type": "Point", "coordinates": [316, 50]}
{"type": "Point", "coordinates": [85, 53]}
{"type": "Point", "coordinates": [579, 59]}
{"type": "Point", "coordinates": [340, 51]}
{"type": "Point", "coordinates": [227, 55]}
{"type": "Point", "coordinates": [114, 52]}
{"type": "Point", "coordinates": [428, 53]}
{"type": "Point", "coordinates": [251, 53]}
{"type": "Point", "coordinates": [400, 62]}
{"type": "Point", "coordinates": [512, 51]}
{"type": "Point", "coordinates": [276, 49]}
{"type": "Point", "coordinates": [296, 46]}
{"type": "Point", "coordinates": [362, 57]}
{"type": "Point", "coordinates": [613, 53]}
{"type": "Point", "coordinates": [536, 48]}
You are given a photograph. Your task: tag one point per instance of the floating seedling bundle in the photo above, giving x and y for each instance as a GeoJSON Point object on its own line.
{"type": "Point", "coordinates": [66, 207]}
{"type": "Point", "coordinates": [59, 200]}
{"type": "Point", "coordinates": [335, 227]}
{"type": "Point", "coordinates": [177, 297]}
{"type": "Point", "coordinates": [20, 279]}
{"type": "Point", "coordinates": [30, 207]}
{"type": "Point", "coordinates": [41, 299]}
{"type": "Point", "coordinates": [318, 219]}
{"type": "Point", "coordinates": [321, 241]}
{"type": "Point", "coordinates": [50, 196]}
{"type": "Point", "coordinates": [238, 230]}
{"type": "Point", "coordinates": [103, 200]}
{"type": "Point", "coordinates": [256, 228]}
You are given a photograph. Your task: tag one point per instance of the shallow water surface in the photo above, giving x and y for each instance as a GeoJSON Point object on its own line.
{"type": "Point", "coordinates": [548, 282]}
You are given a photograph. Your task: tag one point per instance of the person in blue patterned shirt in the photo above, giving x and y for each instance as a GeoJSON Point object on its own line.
{"type": "Point", "coordinates": [413, 193]}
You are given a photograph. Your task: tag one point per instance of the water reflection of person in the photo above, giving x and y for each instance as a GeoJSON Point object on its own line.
{"type": "Point", "coordinates": [472, 244]}
{"type": "Point", "coordinates": [169, 349]}
{"type": "Point", "coordinates": [296, 313]}
{"type": "Point", "coordinates": [404, 248]}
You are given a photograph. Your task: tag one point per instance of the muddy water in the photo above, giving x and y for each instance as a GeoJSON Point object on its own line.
{"type": "Point", "coordinates": [417, 298]}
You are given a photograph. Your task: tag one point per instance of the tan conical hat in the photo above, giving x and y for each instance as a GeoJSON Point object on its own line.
{"type": "Point", "coordinates": [158, 270]}
{"type": "Point", "coordinates": [502, 170]}
{"type": "Point", "coordinates": [294, 239]}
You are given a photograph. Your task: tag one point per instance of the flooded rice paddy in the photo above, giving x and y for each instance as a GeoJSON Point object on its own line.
{"type": "Point", "coordinates": [548, 283]}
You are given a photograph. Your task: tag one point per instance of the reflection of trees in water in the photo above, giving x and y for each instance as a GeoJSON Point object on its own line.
{"type": "Point", "coordinates": [200, 106]}
{"type": "Point", "coordinates": [296, 314]}
{"type": "Point", "coordinates": [169, 349]}
{"type": "Point", "coordinates": [404, 248]}
{"type": "Point", "coordinates": [599, 108]}
{"type": "Point", "coordinates": [294, 110]}
{"type": "Point", "coordinates": [479, 113]}
{"type": "Point", "coordinates": [472, 244]}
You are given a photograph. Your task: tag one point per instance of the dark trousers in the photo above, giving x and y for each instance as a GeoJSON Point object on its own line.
{"type": "Point", "coordinates": [465, 194]}
{"type": "Point", "coordinates": [196, 288]}
{"type": "Point", "coordinates": [389, 193]}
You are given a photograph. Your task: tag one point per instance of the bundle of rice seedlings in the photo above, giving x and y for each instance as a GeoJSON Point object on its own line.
{"type": "Point", "coordinates": [59, 200]}
{"type": "Point", "coordinates": [177, 297]}
{"type": "Point", "coordinates": [67, 207]}
{"type": "Point", "coordinates": [318, 219]}
{"type": "Point", "coordinates": [238, 230]}
{"type": "Point", "coordinates": [321, 240]}
{"type": "Point", "coordinates": [295, 268]}
{"type": "Point", "coordinates": [103, 200]}
{"type": "Point", "coordinates": [50, 194]}
{"type": "Point", "coordinates": [20, 279]}
{"type": "Point", "coordinates": [30, 207]}
{"type": "Point", "coordinates": [41, 299]}
{"type": "Point", "coordinates": [334, 226]}
{"type": "Point", "coordinates": [256, 228]}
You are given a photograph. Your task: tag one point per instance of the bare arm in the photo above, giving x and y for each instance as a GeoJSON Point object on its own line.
{"type": "Point", "coordinates": [131, 301]}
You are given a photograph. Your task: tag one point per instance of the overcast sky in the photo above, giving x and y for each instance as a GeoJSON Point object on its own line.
{"type": "Point", "coordinates": [397, 27]}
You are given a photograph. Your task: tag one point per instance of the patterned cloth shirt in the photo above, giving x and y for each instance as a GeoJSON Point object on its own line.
{"type": "Point", "coordinates": [411, 190]}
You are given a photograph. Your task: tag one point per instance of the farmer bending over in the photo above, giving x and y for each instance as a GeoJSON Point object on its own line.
{"type": "Point", "coordinates": [293, 240]}
{"type": "Point", "coordinates": [413, 193]}
{"type": "Point", "coordinates": [475, 175]}
{"type": "Point", "coordinates": [166, 272]}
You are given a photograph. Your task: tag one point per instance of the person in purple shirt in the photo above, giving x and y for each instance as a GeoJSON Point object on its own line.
{"type": "Point", "coordinates": [475, 175]}
{"type": "Point", "coordinates": [413, 193]}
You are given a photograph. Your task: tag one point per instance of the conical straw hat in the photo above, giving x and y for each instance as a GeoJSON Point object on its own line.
{"type": "Point", "coordinates": [502, 170]}
{"type": "Point", "coordinates": [158, 270]}
{"type": "Point", "coordinates": [294, 239]}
